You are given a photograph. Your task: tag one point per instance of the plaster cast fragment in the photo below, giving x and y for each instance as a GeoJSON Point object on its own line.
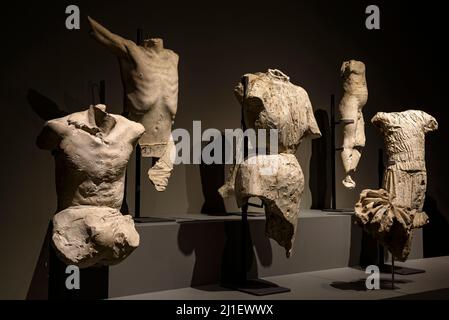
{"type": "Point", "coordinates": [405, 175]}
{"type": "Point", "coordinates": [149, 75]}
{"type": "Point", "coordinates": [279, 182]}
{"type": "Point", "coordinates": [91, 150]}
{"type": "Point", "coordinates": [273, 102]}
{"type": "Point", "coordinates": [351, 105]}
{"type": "Point", "coordinates": [390, 224]}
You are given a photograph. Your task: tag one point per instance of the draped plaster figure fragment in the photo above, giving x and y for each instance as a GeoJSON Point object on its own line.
{"type": "Point", "coordinates": [280, 192]}
{"type": "Point", "coordinates": [354, 99]}
{"type": "Point", "coordinates": [273, 102]}
{"type": "Point", "coordinates": [91, 150]}
{"type": "Point", "coordinates": [405, 175]}
{"type": "Point", "coordinates": [149, 75]}
{"type": "Point", "coordinates": [391, 225]}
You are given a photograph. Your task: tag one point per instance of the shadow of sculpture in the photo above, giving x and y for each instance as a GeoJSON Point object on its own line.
{"type": "Point", "coordinates": [239, 258]}
{"type": "Point", "coordinates": [441, 294]}
{"type": "Point", "coordinates": [44, 107]}
{"type": "Point", "coordinates": [212, 178]}
{"type": "Point", "coordinates": [355, 249]}
{"type": "Point", "coordinates": [360, 285]}
{"type": "Point", "coordinates": [192, 182]}
{"type": "Point", "coordinates": [320, 173]}
{"type": "Point", "coordinates": [370, 252]}
{"type": "Point", "coordinates": [436, 232]}
{"type": "Point", "coordinates": [206, 241]}
{"type": "Point", "coordinates": [218, 248]}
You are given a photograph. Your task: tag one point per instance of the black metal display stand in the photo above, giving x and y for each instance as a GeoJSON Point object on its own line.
{"type": "Point", "coordinates": [334, 150]}
{"type": "Point", "coordinates": [257, 287]}
{"type": "Point", "coordinates": [138, 169]}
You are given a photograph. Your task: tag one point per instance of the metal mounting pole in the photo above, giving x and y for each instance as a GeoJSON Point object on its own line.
{"type": "Point", "coordinates": [256, 287]}
{"type": "Point", "coordinates": [333, 154]}
{"type": "Point", "coordinates": [392, 272]}
{"type": "Point", "coordinates": [138, 154]}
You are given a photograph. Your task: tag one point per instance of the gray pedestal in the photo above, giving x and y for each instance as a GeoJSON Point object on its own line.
{"type": "Point", "coordinates": [197, 250]}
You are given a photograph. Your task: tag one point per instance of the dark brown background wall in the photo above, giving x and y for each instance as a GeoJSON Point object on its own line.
{"type": "Point", "coordinates": [217, 43]}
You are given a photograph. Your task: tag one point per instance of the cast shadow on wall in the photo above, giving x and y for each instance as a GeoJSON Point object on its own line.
{"type": "Point", "coordinates": [436, 233]}
{"type": "Point", "coordinates": [320, 173]}
{"type": "Point", "coordinates": [218, 251]}
{"type": "Point", "coordinates": [45, 108]}
{"type": "Point", "coordinates": [212, 178]}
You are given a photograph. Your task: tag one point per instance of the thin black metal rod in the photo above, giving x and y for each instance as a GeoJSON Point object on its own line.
{"type": "Point", "coordinates": [244, 240]}
{"type": "Point", "coordinates": [333, 154]}
{"type": "Point", "coordinates": [138, 155]}
{"type": "Point", "coordinates": [380, 171]}
{"type": "Point", "coordinates": [93, 86]}
{"type": "Point", "coordinates": [137, 178]}
{"type": "Point", "coordinates": [392, 272]}
{"type": "Point", "coordinates": [245, 206]}
{"type": "Point", "coordinates": [381, 256]}
{"type": "Point", "coordinates": [380, 167]}
{"type": "Point", "coordinates": [139, 39]}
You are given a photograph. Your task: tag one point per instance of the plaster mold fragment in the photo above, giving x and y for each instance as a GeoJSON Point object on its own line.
{"type": "Point", "coordinates": [351, 105]}
{"type": "Point", "coordinates": [150, 80]}
{"type": "Point", "coordinates": [405, 176]}
{"type": "Point", "coordinates": [391, 225]}
{"type": "Point", "coordinates": [271, 101]}
{"type": "Point", "coordinates": [91, 150]}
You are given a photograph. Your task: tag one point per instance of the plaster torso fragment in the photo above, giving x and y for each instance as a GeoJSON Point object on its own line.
{"type": "Point", "coordinates": [273, 102]}
{"type": "Point", "coordinates": [405, 175]}
{"type": "Point", "coordinates": [354, 99]}
{"type": "Point", "coordinates": [91, 150]}
{"type": "Point", "coordinates": [150, 80]}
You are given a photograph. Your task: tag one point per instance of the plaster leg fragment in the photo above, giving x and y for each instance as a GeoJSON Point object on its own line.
{"type": "Point", "coordinates": [354, 98]}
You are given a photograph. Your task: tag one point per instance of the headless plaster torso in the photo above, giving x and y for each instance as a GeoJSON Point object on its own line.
{"type": "Point", "coordinates": [273, 102]}
{"type": "Point", "coordinates": [404, 137]}
{"type": "Point", "coordinates": [150, 80]}
{"type": "Point", "coordinates": [91, 159]}
{"type": "Point", "coordinates": [405, 175]}
{"type": "Point", "coordinates": [91, 150]}
{"type": "Point", "coordinates": [149, 75]}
